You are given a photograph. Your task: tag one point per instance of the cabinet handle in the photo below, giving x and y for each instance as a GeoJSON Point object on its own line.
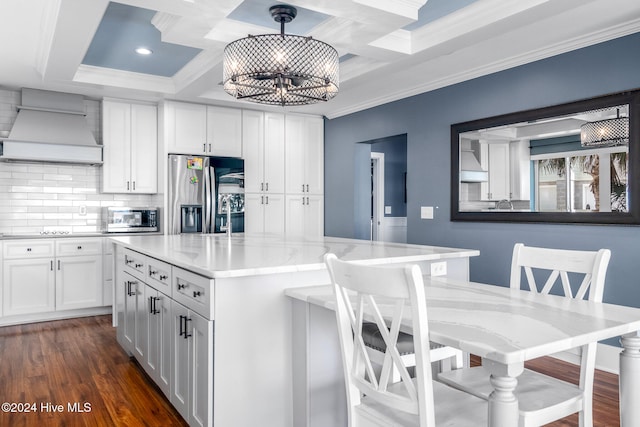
{"type": "Point", "coordinates": [303, 188]}
{"type": "Point", "coordinates": [262, 200]}
{"type": "Point", "coordinates": [79, 248]}
{"type": "Point", "coordinates": [303, 201]}
{"type": "Point", "coordinates": [51, 265]}
{"type": "Point", "coordinates": [151, 310]}
{"type": "Point", "coordinates": [128, 282]}
{"type": "Point", "coordinates": [266, 187]}
{"type": "Point", "coordinates": [186, 328]}
{"type": "Point", "coordinates": [262, 186]}
{"type": "Point", "coordinates": [182, 332]}
{"type": "Point", "coordinates": [58, 265]}
{"type": "Point", "coordinates": [209, 147]}
{"type": "Point", "coordinates": [181, 286]}
{"type": "Point", "coordinates": [267, 199]}
{"type": "Point", "coordinates": [134, 186]}
{"type": "Point", "coordinates": [196, 294]}
{"type": "Point", "coordinates": [163, 277]}
{"type": "Point", "coordinates": [307, 188]}
{"type": "Point", "coordinates": [28, 249]}
{"type": "Point", "coordinates": [152, 304]}
{"type": "Point", "coordinates": [307, 200]}
{"type": "Point", "coordinates": [151, 272]}
{"type": "Point", "coordinates": [137, 265]}
{"type": "Point", "coordinates": [127, 185]}
{"type": "Point", "coordinates": [127, 260]}
{"type": "Point", "coordinates": [204, 148]}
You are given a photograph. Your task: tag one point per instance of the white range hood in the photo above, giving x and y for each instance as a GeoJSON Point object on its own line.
{"type": "Point", "coordinates": [51, 127]}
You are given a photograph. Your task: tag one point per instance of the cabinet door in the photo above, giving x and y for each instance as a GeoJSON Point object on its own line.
{"type": "Point", "coordinates": [129, 318]}
{"type": "Point", "coordinates": [201, 370]}
{"type": "Point", "coordinates": [314, 216]}
{"type": "Point", "coordinates": [151, 360]}
{"type": "Point", "coordinates": [273, 152]}
{"type": "Point", "coordinates": [253, 150]}
{"type": "Point", "coordinates": [295, 223]}
{"type": "Point", "coordinates": [78, 282]}
{"type": "Point", "coordinates": [274, 213]}
{"type": "Point", "coordinates": [116, 136]}
{"type": "Point", "coordinates": [314, 155]}
{"type": "Point", "coordinates": [28, 286]}
{"type": "Point", "coordinates": [254, 212]}
{"type": "Point", "coordinates": [180, 361]}
{"type": "Point", "coordinates": [158, 357]}
{"type": "Point", "coordinates": [499, 171]}
{"type": "Point", "coordinates": [141, 322]}
{"type": "Point", "coordinates": [295, 140]}
{"type": "Point", "coordinates": [224, 131]}
{"type": "Point", "coordinates": [144, 148]}
{"type": "Point", "coordinates": [189, 128]}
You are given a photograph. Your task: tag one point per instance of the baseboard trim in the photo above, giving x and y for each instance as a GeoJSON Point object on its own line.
{"type": "Point", "coordinates": [54, 315]}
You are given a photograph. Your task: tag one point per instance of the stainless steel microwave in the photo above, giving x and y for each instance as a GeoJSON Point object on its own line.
{"type": "Point", "coordinates": [129, 220]}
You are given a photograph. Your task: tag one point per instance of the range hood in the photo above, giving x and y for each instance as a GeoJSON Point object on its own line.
{"type": "Point", "coordinates": [51, 127]}
{"type": "Point", "coordinates": [470, 169]}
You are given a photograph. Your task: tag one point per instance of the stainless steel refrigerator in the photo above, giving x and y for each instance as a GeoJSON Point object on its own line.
{"type": "Point", "coordinates": [205, 193]}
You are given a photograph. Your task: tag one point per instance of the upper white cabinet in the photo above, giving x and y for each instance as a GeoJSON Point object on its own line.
{"type": "Point", "coordinates": [130, 137]}
{"type": "Point", "coordinates": [495, 158]}
{"type": "Point", "coordinates": [304, 154]}
{"type": "Point", "coordinates": [202, 129]}
{"type": "Point", "coordinates": [263, 148]}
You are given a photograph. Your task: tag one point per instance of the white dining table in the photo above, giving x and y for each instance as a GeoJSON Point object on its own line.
{"type": "Point", "coordinates": [505, 327]}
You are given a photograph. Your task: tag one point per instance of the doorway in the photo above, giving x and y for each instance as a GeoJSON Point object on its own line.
{"type": "Point", "coordinates": [377, 196]}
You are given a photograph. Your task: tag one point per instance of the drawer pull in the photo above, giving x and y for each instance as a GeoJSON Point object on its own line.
{"type": "Point", "coordinates": [79, 247]}
{"type": "Point", "coordinates": [28, 249]}
{"type": "Point", "coordinates": [181, 286]}
{"type": "Point", "coordinates": [128, 261]}
{"type": "Point", "coordinates": [186, 333]}
{"type": "Point", "coordinates": [163, 277]}
{"type": "Point", "coordinates": [196, 294]}
{"type": "Point", "coordinates": [182, 327]}
{"type": "Point", "coordinates": [152, 273]}
{"type": "Point", "coordinates": [137, 265]}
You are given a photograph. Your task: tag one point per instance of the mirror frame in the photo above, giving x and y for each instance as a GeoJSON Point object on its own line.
{"type": "Point", "coordinates": [629, 218]}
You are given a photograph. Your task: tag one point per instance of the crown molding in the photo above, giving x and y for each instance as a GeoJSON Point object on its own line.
{"type": "Point", "coordinates": [123, 79]}
{"type": "Point", "coordinates": [513, 61]}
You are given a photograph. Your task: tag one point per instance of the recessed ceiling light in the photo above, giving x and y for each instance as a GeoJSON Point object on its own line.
{"type": "Point", "coordinates": [143, 51]}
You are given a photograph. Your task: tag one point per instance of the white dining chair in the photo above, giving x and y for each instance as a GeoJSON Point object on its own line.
{"type": "Point", "coordinates": [543, 399]}
{"type": "Point", "coordinates": [386, 296]}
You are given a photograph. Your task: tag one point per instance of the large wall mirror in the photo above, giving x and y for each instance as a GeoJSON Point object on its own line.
{"type": "Point", "coordinates": [570, 163]}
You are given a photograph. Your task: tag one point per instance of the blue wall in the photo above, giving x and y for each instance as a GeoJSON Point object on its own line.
{"type": "Point", "coordinates": [426, 119]}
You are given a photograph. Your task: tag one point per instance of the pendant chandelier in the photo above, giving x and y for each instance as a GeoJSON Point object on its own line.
{"type": "Point", "coordinates": [280, 69]}
{"type": "Point", "coordinates": [604, 133]}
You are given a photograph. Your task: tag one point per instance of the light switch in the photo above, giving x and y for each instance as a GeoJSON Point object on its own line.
{"type": "Point", "coordinates": [387, 210]}
{"type": "Point", "coordinates": [426, 212]}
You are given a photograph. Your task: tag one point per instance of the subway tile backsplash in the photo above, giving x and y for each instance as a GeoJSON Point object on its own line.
{"type": "Point", "coordinates": [37, 197]}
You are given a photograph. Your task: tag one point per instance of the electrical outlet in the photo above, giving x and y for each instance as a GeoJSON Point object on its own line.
{"type": "Point", "coordinates": [439, 268]}
{"type": "Point", "coordinates": [426, 212]}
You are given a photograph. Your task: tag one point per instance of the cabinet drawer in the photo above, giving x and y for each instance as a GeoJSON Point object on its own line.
{"type": "Point", "coordinates": [75, 247]}
{"type": "Point", "coordinates": [36, 248]}
{"type": "Point", "coordinates": [159, 275]}
{"type": "Point", "coordinates": [193, 291]}
{"type": "Point", "coordinates": [135, 264]}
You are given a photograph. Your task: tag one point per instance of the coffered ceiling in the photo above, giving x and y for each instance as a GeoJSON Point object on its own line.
{"type": "Point", "coordinates": [389, 49]}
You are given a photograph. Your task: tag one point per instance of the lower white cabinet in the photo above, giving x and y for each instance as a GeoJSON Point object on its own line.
{"type": "Point", "coordinates": [171, 336]}
{"type": "Point", "coordinates": [264, 213]}
{"type": "Point", "coordinates": [46, 275]}
{"type": "Point", "coordinates": [192, 366]}
{"type": "Point", "coordinates": [157, 362]}
{"type": "Point", "coordinates": [305, 215]}
{"type": "Point", "coordinates": [28, 286]}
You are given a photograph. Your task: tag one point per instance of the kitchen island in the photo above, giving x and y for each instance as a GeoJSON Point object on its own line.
{"type": "Point", "coordinates": [206, 315]}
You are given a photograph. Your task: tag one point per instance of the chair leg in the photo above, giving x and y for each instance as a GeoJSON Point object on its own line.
{"type": "Point", "coordinates": [585, 418]}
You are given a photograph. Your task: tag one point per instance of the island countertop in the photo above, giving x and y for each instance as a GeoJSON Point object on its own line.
{"type": "Point", "coordinates": [217, 256]}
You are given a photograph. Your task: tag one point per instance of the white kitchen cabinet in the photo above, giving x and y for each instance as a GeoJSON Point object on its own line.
{"type": "Point", "coordinates": [130, 135]}
{"type": "Point", "coordinates": [305, 215]}
{"type": "Point", "coordinates": [201, 129]}
{"type": "Point", "coordinates": [107, 272]}
{"type": "Point", "coordinates": [192, 366]}
{"type": "Point", "coordinates": [494, 157]}
{"type": "Point", "coordinates": [264, 213]}
{"type": "Point", "coordinates": [304, 154]}
{"type": "Point", "coordinates": [78, 273]}
{"type": "Point", "coordinates": [520, 160]}
{"type": "Point", "coordinates": [157, 362]}
{"type": "Point", "coordinates": [28, 286]}
{"type": "Point", "coordinates": [224, 131]}
{"type": "Point", "coordinates": [127, 327]}
{"type": "Point", "coordinates": [263, 149]}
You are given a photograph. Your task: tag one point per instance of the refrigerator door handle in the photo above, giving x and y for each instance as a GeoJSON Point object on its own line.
{"type": "Point", "coordinates": [207, 197]}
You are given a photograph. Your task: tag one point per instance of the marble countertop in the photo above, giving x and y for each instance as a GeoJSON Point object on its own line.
{"type": "Point", "coordinates": [66, 236]}
{"type": "Point", "coordinates": [255, 254]}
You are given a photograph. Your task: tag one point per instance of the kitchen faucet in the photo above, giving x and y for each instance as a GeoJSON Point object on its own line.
{"type": "Point", "coordinates": [504, 204]}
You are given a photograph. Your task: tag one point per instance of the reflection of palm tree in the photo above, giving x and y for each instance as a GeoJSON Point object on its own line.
{"type": "Point", "coordinates": [590, 165]}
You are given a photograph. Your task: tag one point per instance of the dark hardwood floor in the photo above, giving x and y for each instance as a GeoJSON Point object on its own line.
{"type": "Point", "coordinates": [73, 362]}
{"type": "Point", "coordinates": [78, 361]}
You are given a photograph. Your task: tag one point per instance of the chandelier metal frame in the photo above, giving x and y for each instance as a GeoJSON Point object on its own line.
{"type": "Point", "coordinates": [281, 69]}
{"type": "Point", "coordinates": [605, 133]}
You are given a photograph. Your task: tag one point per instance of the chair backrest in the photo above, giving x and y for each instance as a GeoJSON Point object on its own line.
{"type": "Point", "coordinates": [592, 265]}
{"type": "Point", "coordinates": [382, 295]}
